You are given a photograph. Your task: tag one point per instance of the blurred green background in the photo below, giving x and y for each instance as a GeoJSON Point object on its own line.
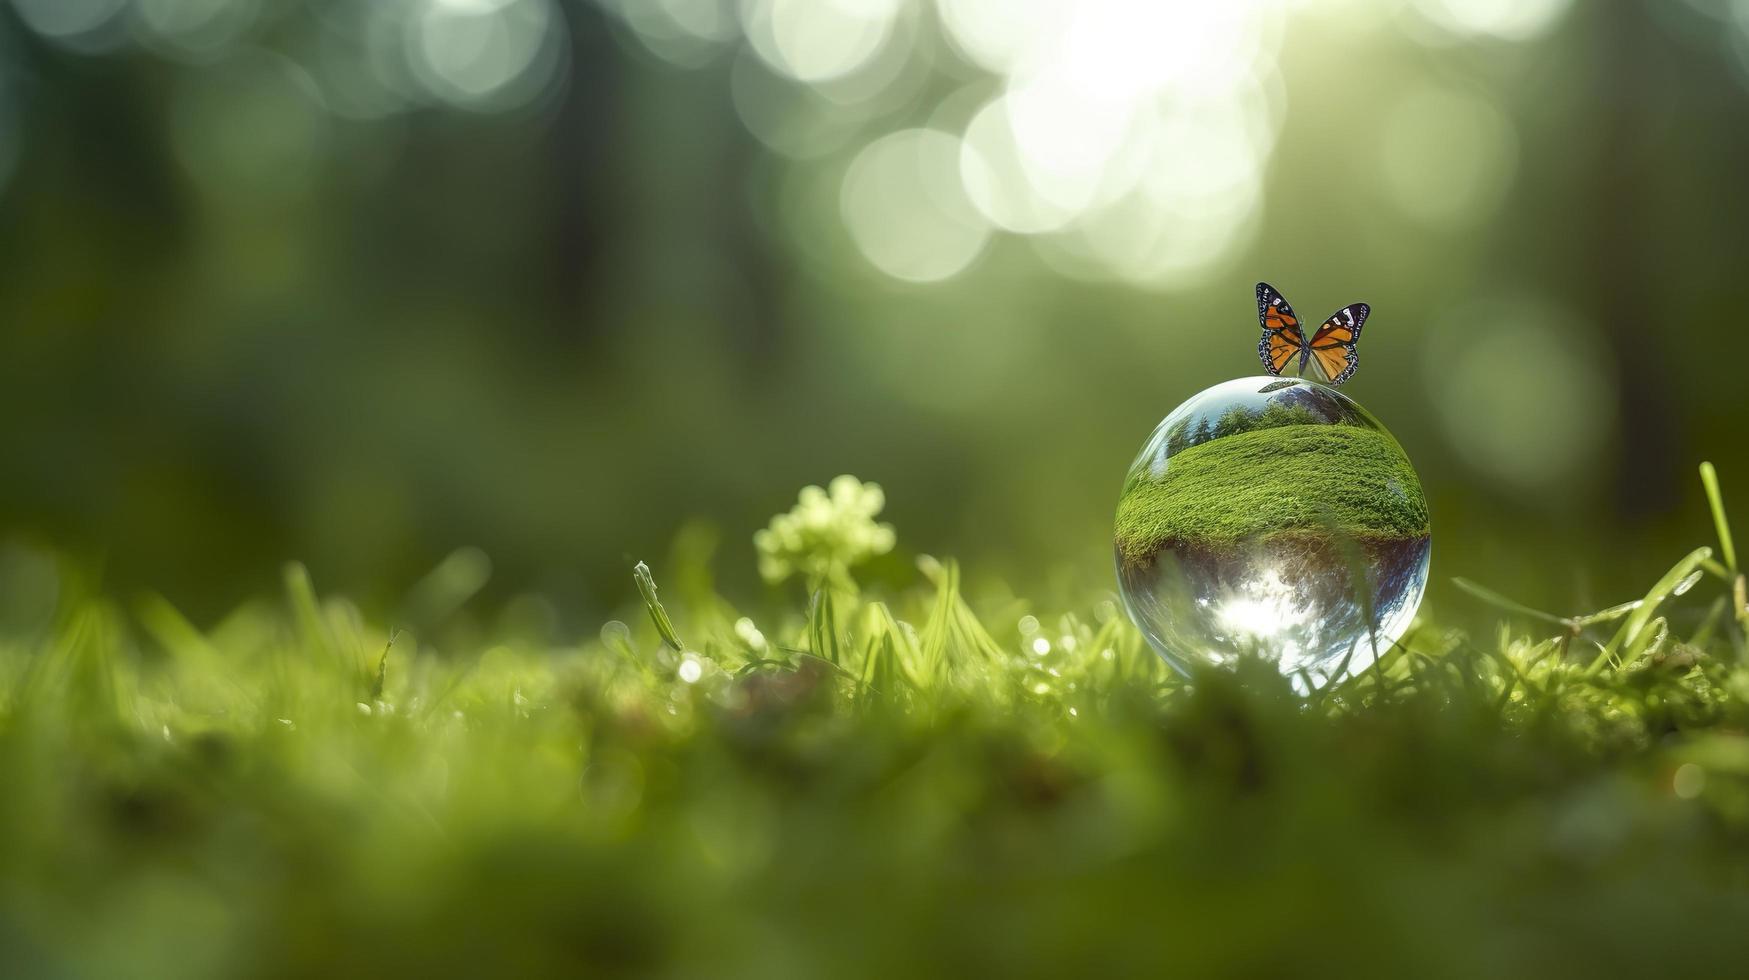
{"type": "Point", "coordinates": [360, 282]}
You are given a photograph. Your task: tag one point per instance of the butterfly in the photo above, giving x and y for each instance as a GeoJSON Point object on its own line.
{"type": "Point", "coordinates": [1331, 349]}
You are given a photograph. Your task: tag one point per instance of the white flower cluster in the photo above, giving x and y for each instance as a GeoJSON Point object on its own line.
{"type": "Point", "coordinates": [825, 533]}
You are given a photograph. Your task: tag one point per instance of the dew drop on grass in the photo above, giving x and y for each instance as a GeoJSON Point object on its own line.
{"type": "Point", "coordinates": [1274, 519]}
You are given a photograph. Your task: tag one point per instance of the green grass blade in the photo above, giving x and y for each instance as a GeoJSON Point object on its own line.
{"type": "Point", "coordinates": [1709, 477]}
{"type": "Point", "coordinates": [1649, 641]}
{"type": "Point", "coordinates": [301, 593]}
{"type": "Point", "coordinates": [887, 665]}
{"type": "Point", "coordinates": [380, 678]}
{"type": "Point", "coordinates": [658, 615]}
{"type": "Point", "coordinates": [1665, 588]}
{"type": "Point", "coordinates": [445, 589]}
{"type": "Point", "coordinates": [173, 632]}
{"type": "Point", "coordinates": [934, 637]}
{"type": "Point", "coordinates": [1510, 605]}
{"type": "Point", "coordinates": [1609, 615]}
{"type": "Point", "coordinates": [1715, 614]}
{"type": "Point", "coordinates": [823, 641]}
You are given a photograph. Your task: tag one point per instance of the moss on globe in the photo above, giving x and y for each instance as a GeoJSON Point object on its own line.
{"type": "Point", "coordinates": [1305, 480]}
{"type": "Point", "coordinates": [1274, 518]}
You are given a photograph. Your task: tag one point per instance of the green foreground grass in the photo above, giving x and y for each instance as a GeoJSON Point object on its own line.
{"type": "Point", "coordinates": [879, 783]}
{"type": "Point", "coordinates": [1286, 479]}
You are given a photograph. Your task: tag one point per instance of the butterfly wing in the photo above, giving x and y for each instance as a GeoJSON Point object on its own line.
{"type": "Point", "coordinates": [1333, 346]}
{"type": "Point", "coordinates": [1282, 340]}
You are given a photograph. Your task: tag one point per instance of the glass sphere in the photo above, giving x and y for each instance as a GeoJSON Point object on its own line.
{"type": "Point", "coordinates": [1272, 518]}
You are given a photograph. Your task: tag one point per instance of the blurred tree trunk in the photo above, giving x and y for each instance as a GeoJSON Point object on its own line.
{"type": "Point", "coordinates": [701, 160]}
{"type": "Point", "coordinates": [1622, 297]}
{"type": "Point", "coordinates": [580, 142]}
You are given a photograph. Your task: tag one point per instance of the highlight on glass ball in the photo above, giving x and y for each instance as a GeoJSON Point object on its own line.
{"type": "Point", "coordinates": [1275, 518]}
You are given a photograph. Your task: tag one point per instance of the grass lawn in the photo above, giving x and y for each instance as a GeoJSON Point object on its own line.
{"type": "Point", "coordinates": [1285, 479]}
{"type": "Point", "coordinates": [867, 784]}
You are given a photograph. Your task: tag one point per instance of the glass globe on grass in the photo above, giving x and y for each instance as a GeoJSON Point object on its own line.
{"type": "Point", "coordinates": [1272, 518]}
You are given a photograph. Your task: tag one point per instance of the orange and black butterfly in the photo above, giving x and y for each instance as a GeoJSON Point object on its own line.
{"type": "Point", "coordinates": [1331, 350]}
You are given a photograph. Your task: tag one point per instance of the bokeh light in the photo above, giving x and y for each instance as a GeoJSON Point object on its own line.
{"type": "Point", "coordinates": [818, 40]}
{"type": "Point", "coordinates": [359, 61]}
{"type": "Point", "coordinates": [1737, 39]}
{"type": "Point", "coordinates": [1135, 127]}
{"type": "Point", "coordinates": [252, 129]}
{"type": "Point", "coordinates": [1003, 36]}
{"type": "Point", "coordinates": [995, 171]}
{"type": "Point", "coordinates": [87, 25]}
{"type": "Point", "coordinates": [1131, 139]}
{"type": "Point", "coordinates": [492, 54]}
{"type": "Point", "coordinates": [1131, 134]}
{"type": "Point", "coordinates": [687, 33]}
{"type": "Point", "coordinates": [1521, 394]}
{"type": "Point", "coordinates": [793, 120]}
{"type": "Point", "coordinates": [905, 211]}
{"type": "Point", "coordinates": [196, 29]}
{"type": "Point", "coordinates": [1448, 157]}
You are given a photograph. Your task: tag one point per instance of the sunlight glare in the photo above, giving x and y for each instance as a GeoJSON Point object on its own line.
{"type": "Point", "coordinates": [1003, 36]}
{"type": "Point", "coordinates": [1132, 133]}
{"type": "Point", "coordinates": [1262, 610]}
{"type": "Point", "coordinates": [1506, 20]}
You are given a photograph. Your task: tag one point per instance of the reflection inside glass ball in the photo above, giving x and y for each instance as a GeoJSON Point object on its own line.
{"type": "Point", "coordinates": [1273, 519]}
